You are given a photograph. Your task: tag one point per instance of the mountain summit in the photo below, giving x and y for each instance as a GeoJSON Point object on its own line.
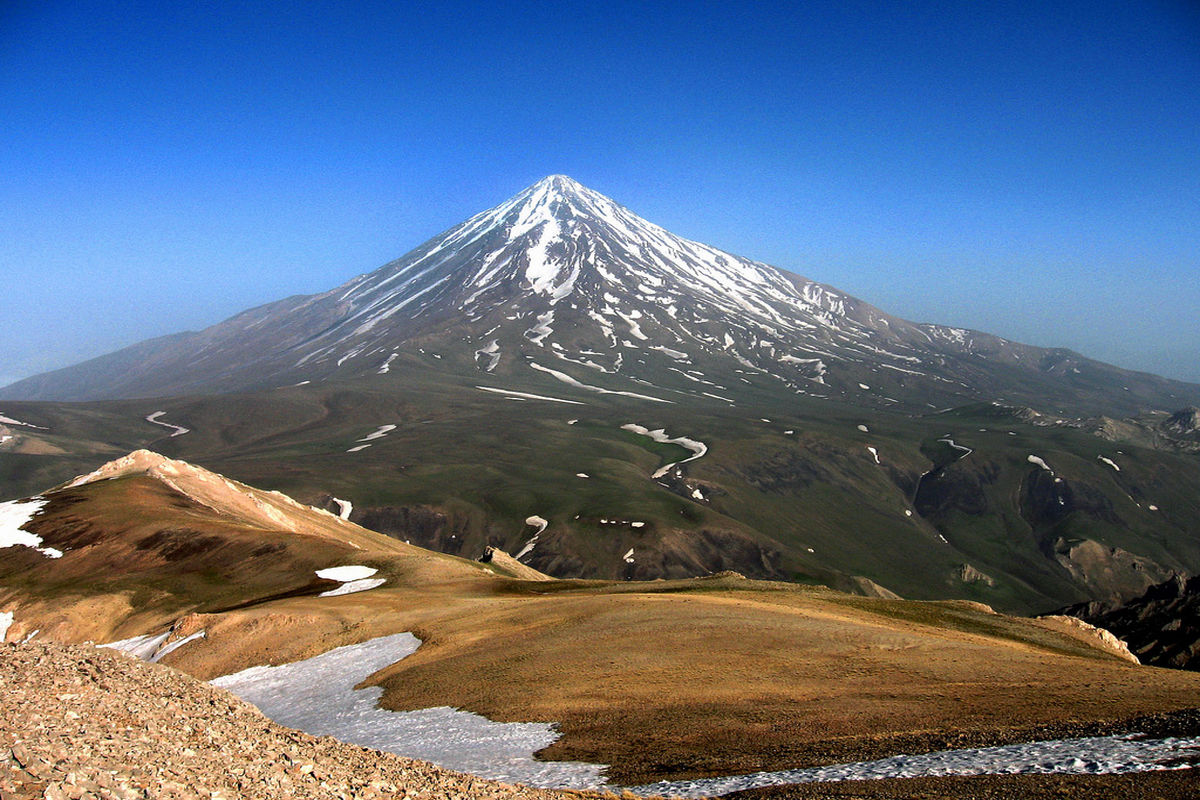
{"type": "Point", "coordinates": [564, 288]}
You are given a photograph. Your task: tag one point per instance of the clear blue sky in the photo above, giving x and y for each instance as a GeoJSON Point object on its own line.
{"type": "Point", "coordinates": [1029, 169]}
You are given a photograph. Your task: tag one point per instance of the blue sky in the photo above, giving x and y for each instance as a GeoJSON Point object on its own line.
{"type": "Point", "coordinates": [1033, 172]}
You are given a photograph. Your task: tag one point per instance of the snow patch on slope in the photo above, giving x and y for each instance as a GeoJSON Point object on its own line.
{"type": "Point", "coordinates": [1084, 756]}
{"type": "Point", "coordinates": [534, 521]}
{"type": "Point", "coordinates": [528, 396]}
{"type": "Point", "coordinates": [567, 379]}
{"type": "Point", "coordinates": [354, 578]}
{"type": "Point", "coordinates": [489, 354]}
{"type": "Point", "coordinates": [10, 421]}
{"type": "Point", "coordinates": [14, 514]}
{"type": "Point", "coordinates": [317, 696]}
{"type": "Point", "coordinates": [347, 573]}
{"type": "Point", "coordinates": [152, 647]}
{"type": "Point", "coordinates": [1040, 462]}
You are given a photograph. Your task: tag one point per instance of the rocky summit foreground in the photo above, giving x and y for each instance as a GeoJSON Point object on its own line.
{"type": "Point", "coordinates": [79, 722]}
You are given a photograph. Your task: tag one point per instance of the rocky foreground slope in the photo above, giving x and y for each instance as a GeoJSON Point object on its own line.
{"type": "Point", "coordinates": [79, 722]}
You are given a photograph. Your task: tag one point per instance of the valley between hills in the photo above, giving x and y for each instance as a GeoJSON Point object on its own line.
{"type": "Point", "coordinates": [660, 680]}
{"type": "Point", "coordinates": [704, 517]}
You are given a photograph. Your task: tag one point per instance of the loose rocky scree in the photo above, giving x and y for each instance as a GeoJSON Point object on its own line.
{"type": "Point", "coordinates": [81, 723]}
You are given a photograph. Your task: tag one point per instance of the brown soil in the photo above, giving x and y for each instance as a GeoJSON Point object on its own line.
{"type": "Point", "coordinates": [690, 683]}
{"type": "Point", "coordinates": [723, 678]}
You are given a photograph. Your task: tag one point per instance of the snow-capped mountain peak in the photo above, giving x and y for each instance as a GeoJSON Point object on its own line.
{"type": "Point", "coordinates": [561, 284]}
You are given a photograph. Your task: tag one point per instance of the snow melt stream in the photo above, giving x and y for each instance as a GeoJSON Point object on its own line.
{"type": "Point", "coordinates": [317, 696]}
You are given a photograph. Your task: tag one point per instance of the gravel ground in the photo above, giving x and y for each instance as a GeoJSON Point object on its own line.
{"type": "Point", "coordinates": [78, 722]}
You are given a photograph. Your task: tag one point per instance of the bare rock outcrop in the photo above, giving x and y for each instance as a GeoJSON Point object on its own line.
{"type": "Point", "coordinates": [1162, 626]}
{"type": "Point", "coordinates": [508, 565]}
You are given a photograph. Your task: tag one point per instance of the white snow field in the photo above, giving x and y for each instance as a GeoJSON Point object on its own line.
{"type": "Point", "coordinates": [14, 514]}
{"type": "Point", "coordinates": [354, 587]}
{"type": "Point", "coordinates": [173, 646]}
{"type": "Point", "coordinates": [347, 573]}
{"type": "Point", "coordinates": [10, 421]}
{"type": "Point", "coordinates": [1087, 756]}
{"type": "Point", "coordinates": [6, 620]}
{"type": "Point", "coordinates": [318, 696]}
{"type": "Point", "coordinates": [143, 647]}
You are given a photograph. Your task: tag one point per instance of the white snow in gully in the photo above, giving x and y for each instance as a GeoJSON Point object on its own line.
{"type": "Point", "coordinates": [178, 430]}
{"type": "Point", "coordinates": [698, 448]}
